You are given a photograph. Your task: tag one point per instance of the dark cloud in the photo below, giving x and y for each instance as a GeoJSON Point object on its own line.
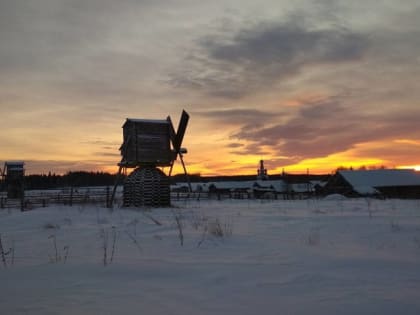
{"type": "Point", "coordinates": [105, 143]}
{"type": "Point", "coordinates": [251, 149]}
{"type": "Point", "coordinates": [249, 117]}
{"type": "Point", "coordinates": [108, 154]}
{"type": "Point", "coordinates": [237, 64]}
{"type": "Point", "coordinates": [284, 45]}
{"type": "Point", "coordinates": [324, 128]}
{"type": "Point", "coordinates": [234, 145]}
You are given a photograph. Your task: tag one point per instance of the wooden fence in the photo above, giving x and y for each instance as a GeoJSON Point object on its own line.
{"type": "Point", "coordinates": [102, 196]}
{"type": "Point", "coordinates": [65, 196]}
{"type": "Point", "coordinates": [80, 196]}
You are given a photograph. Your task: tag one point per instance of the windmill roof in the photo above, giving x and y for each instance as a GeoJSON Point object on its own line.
{"type": "Point", "coordinates": [16, 163]}
{"type": "Point", "coordinates": [156, 121]}
{"type": "Point", "coordinates": [130, 121]}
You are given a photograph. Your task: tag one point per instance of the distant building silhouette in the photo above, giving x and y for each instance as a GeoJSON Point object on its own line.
{"type": "Point", "coordinates": [262, 172]}
{"type": "Point", "coordinates": [13, 174]}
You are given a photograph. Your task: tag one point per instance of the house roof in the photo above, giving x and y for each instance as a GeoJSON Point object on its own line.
{"type": "Point", "coordinates": [277, 185]}
{"type": "Point", "coordinates": [233, 184]}
{"type": "Point", "coordinates": [365, 181]}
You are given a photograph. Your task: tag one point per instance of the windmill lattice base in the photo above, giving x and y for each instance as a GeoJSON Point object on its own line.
{"type": "Point", "coordinates": [146, 187]}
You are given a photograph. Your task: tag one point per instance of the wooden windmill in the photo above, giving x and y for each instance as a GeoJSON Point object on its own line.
{"type": "Point", "coordinates": [147, 145]}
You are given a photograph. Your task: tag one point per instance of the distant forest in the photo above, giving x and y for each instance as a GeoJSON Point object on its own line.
{"type": "Point", "coordinates": [80, 179]}
{"type": "Point", "coordinates": [83, 179]}
{"type": "Point", "coordinates": [71, 179]}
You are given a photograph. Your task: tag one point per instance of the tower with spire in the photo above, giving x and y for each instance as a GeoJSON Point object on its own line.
{"type": "Point", "coordinates": [262, 172]}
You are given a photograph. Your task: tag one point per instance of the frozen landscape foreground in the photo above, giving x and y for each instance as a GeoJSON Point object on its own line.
{"type": "Point", "coordinates": [334, 256]}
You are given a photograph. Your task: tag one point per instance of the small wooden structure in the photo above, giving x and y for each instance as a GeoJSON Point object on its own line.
{"type": "Point", "coordinates": [13, 175]}
{"type": "Point", "coordinates": [147, 145]}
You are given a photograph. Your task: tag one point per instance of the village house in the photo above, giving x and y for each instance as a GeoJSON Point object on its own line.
{"type": "Point", "coordinates": [389, 183]}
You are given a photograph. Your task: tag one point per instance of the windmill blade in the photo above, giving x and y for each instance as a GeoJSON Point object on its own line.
{"type": "Point", "coordinates": [182, 127]}
{"type": "Point", "coordinates": [178, 137]}
{"type": "Point", "coordinates": [172, 133]}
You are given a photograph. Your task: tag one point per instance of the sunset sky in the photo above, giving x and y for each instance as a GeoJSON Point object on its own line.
{"type": "Point", "coordinates": [301, 84]}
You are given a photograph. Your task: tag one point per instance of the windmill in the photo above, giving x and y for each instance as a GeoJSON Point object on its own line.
{"type": "Point", "coordinates": [149, 144]}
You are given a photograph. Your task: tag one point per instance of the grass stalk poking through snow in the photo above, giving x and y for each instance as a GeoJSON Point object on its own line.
{"type": "Point", "coordinates": [179, 226]}
{"type": "Point", "coordinates": [66, 253]}
{"type": "Point", "coordinates": [104, 236]}
{"type": "Point", "coordinates": [151, 218]}
{"type": "Point", "coordinates": [3, 254]}
{"type": "Point", "coordinates": [215, 228]}
{"type": "Point", "coordinates": [104, 233]}
{"type": "Point", "coordinates": [114, 241]}
{"type": "Point", "coordinates": [57, 256]}
{"type": "Point", "coordinates": [134, 240]}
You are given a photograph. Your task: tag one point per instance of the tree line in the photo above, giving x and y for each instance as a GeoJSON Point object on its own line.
{"type": "Point", "coordinates": [70, 179]}
{"type": "Point", "coordinates": [84, 179]}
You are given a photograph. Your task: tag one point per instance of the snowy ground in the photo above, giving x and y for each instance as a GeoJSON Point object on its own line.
{"type": "Point", "coordinates": [275, 257]}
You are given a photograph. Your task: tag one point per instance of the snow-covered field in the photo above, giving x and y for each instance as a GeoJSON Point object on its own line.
{"type": "Point", "coordinates": [334, 256]}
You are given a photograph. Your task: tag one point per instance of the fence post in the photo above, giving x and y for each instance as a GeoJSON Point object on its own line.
{"type": "Point", "coordinates": [22, 203]}
{"type": "Point", "coordinates": [22, 198]}
{"type": "Point", "coordinates": [107, 197]}
{"type": "Point", "coordinates": [71, 196]}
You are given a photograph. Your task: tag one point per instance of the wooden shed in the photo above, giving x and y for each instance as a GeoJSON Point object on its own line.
{"type": "Point", "coordinates": [14, 173]}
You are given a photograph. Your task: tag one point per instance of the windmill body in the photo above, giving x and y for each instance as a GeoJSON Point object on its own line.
{"type": "Point", "coordinates": [148, 145]}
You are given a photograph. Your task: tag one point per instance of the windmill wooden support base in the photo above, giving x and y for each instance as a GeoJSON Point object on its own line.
{"type": "Point", "coordinates": [146, 187]}
{"type": "Point", "coordinates": [149, 144]}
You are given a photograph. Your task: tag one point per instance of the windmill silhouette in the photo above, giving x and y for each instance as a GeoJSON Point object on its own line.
{"type": "Point", "coordinates": [149, 144]}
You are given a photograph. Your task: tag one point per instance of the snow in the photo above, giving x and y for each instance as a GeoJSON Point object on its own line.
{"type": "Point", "coordinates": [366, 190]}
{"type": "Point", "coordinates": [338, 256]}
{"type": "Point", "coordinates": [335, 197]}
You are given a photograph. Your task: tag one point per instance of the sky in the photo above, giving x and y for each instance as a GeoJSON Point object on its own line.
{"type": "Point", "coordinates": [303, 85]}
